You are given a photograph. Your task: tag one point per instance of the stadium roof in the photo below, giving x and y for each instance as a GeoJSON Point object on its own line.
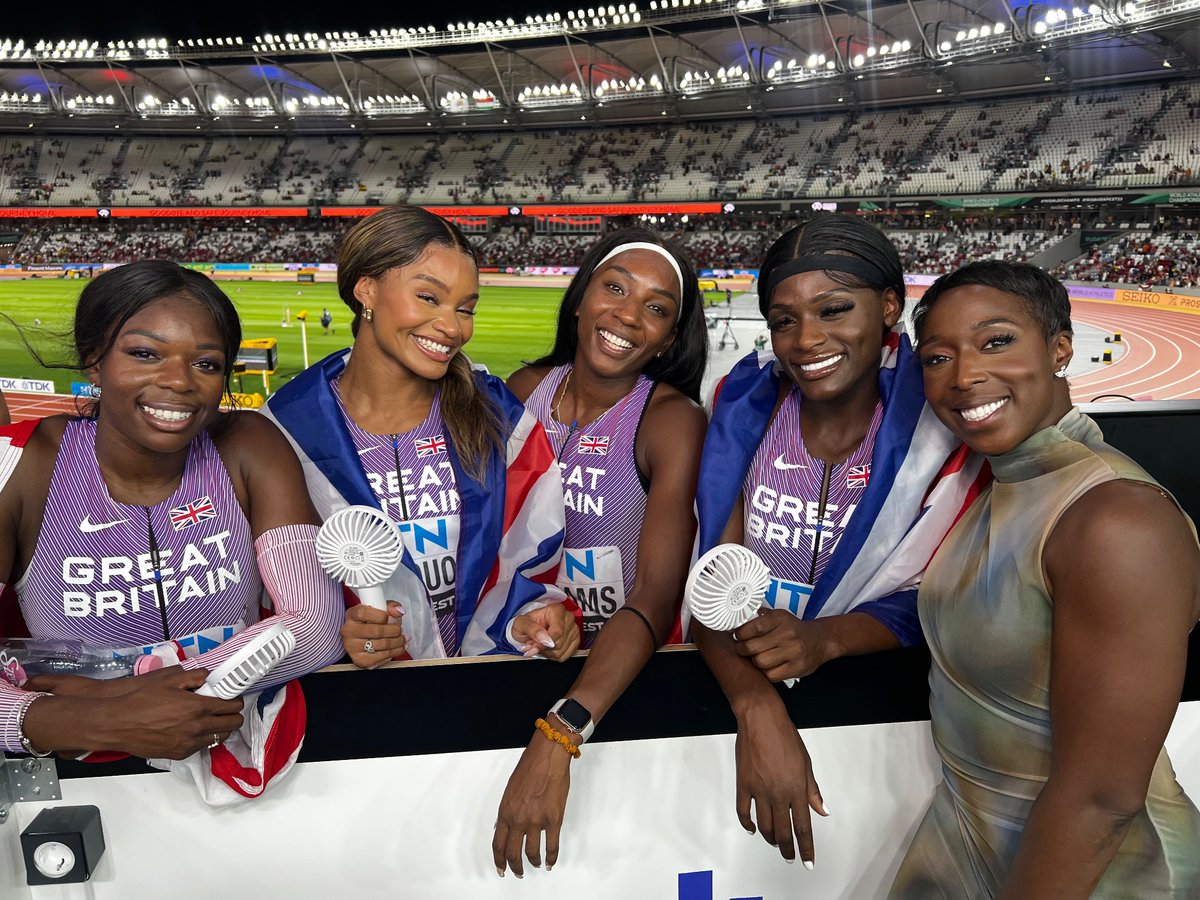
{"type": "Point", "coordinates": [646, 61]}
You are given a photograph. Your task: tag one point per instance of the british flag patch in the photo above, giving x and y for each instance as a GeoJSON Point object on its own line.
{"type": "Point", "coordinates": [858, 476]}
{"type": "Point", "coordinates": [192, 513]}
{"type": "Point", "coordinates": [429, 446]}
{"type": "Point", "coordinates": [597, 445]}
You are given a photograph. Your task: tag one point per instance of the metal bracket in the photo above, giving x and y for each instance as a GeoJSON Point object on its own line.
{"type": "Point", "coordinates": [27, 779]}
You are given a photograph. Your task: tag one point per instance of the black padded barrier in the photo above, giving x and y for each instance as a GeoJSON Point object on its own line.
{"type": "Point", "coordinates": [461, 705]}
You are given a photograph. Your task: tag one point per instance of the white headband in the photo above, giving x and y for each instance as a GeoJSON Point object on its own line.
{"type": "Point", "coordinates": [653, 248]}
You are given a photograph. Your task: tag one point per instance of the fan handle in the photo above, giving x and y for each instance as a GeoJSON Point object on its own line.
{"type": "Point", "coordinates": [372, 595]}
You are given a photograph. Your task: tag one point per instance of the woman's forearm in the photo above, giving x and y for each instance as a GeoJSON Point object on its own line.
{"type": "Point", "coordinates": [854, 634]}
{"type": "Point", "coordinates": [619, 653]}
{"type": "Point", "coordinates": [745, 686]}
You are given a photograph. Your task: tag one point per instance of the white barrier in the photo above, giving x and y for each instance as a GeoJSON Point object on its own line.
{"type": "Point", "coordinates": [641, 814]}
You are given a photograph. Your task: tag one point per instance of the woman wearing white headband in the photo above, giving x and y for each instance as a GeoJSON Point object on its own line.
{"type": "Point", "coordinates": [617, 395]}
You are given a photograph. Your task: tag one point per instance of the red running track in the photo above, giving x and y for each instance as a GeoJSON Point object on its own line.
{"type": "Point", "coordinates": [1161, 360]}
{"type": "Point", "coordinates": [1162, 356]}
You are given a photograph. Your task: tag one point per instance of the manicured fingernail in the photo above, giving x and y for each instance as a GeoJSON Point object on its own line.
{"type": "Point", "coordinates": [825, 806]}
{"type": "Point", "coordinates": [549, 868]}
{"type": "Point", "coordinates": [548, 642]}
{"type": "Point", "coordinates": [789, 861]}
{"type": "Point", "coordinates": [749, 831]}
{"type": "Point", "coordinates": [808, 864]}
{"type": "Point", "coordinates": [519, 875]}
{"type": "Point", "coordinates": [499, 871]}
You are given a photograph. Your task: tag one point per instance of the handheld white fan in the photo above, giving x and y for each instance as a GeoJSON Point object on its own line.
{"type": "Point", "coordinates": [249, 665]}
{"type": "Point", "coordinates": [726, 587]}
{"type": "Point", "coordinates": [360, 547]}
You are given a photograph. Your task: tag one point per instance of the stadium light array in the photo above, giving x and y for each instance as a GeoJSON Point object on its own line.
{"type": "Point", "coordinates": [391, 105]}
{"type": "Point", "coordinates": [544, 95]}
{"type": "Point", "coordinates": [317, 103]}
{"type": "Point", "coordinates": [23, 102]}
{"type": "Point", "coordinates": [628, 88]}
{"type": "Point", "coordinates": [90, 103]}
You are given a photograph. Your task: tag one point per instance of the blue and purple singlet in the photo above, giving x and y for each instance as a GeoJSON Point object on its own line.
{"type": "Point", "coordinates": [413, 480]}
{"type": "Point", "coordinates": [115, 575]}
{"type": "Point", "coordinates": [605, 498]}
{"type": "Point", "coordinates": [796, 506]}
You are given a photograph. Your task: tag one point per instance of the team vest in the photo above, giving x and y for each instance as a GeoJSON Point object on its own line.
{"type": "Point", "coordinates": [413, 480]}
{"type": "Point", "coordinates": [796, 506]}
{"type": "Point", "coordinates": [605, 498]}
{"type": "Point", "coordinates": [115, 575]}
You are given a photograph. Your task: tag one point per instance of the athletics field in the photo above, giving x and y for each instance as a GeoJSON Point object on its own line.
{"type": "Point", "coordinates": [512, 324]}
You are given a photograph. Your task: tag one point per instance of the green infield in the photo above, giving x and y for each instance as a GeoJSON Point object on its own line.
{"type": "Point", "coordinates": [513, 324]}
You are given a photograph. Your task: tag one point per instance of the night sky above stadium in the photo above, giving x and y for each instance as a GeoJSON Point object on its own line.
{"type": "Point", "coordinates": [103, 21]}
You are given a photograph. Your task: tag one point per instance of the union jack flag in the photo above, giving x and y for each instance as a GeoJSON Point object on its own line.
{"type": "Point", "coordinates": [430, 446]}
{"type": "Point", "coordinates": [597, 445]}
{"type": "Point", "coordinates": [858, 476]}
{"type": "Point", "coordinates": [192, 513]}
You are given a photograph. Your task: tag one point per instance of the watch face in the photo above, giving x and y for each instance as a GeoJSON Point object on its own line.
{"type": "Point", "coordinates": [574, 714]}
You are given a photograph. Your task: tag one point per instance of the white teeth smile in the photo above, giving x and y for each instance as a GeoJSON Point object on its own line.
{"type": "Point", "coordinates": [822, 364]}
{"type": "Point", "coordinates": [167, 415]}
{"type": "Point", "coordinates": [979, 413]}
{"type": "Point", "coordinates": [432, 346]}
{"type": "Point", "coordinates": [616, 342]}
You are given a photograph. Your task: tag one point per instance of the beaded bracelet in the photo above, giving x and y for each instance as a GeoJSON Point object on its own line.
{"type": "Point", "coordinates": [558, 737]}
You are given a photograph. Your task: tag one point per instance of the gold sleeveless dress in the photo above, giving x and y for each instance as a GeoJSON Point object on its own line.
{"type": "Point", "coordinates": [987, 616]}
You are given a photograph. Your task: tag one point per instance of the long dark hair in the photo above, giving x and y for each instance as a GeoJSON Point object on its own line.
{"type": "Point", "coordinates": [835, 235]}
{"type": "Point", "coordinates": [682, 366]}
{"type": "Point", "coordinates": [397, 236]}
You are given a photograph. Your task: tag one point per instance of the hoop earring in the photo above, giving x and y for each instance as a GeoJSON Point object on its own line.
{"type": "Point", "coordinates": [368, 314]}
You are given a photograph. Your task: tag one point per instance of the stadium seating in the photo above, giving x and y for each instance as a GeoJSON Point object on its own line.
{"type": "Point", "coordinates": [1141, 136]}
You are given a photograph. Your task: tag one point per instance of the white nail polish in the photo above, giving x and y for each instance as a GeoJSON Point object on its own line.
{"type": "Point", "coordinates": [548, 642]}
{"type": "Point", "coordinates": [808, 864]}
{"type": "Point", "coordinates": [499, 871]}
{"type": "Point", "coordinates": [789, 861]}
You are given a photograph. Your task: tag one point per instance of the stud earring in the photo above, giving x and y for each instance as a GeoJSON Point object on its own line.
{"type": "Point", "coordinates": [369, 314]}
{"type": "Point", "coordinates": [1061, 373]}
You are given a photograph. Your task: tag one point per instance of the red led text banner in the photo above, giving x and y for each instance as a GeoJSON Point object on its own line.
{"type": "Point", "coordinates": [622, 209]}
{"type": "Point", "coordinates": [447, 211]}
{"type": "Point", "coordinates": [45, 212]}
{"type": "Point", "coordinates": [208, 212]}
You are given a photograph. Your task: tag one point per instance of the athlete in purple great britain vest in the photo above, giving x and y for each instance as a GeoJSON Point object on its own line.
{"type": "Point", "coordinates": [402, 422]}
{"type": "Point", "coordinates": [617, 395]}
{"type": "Point", "coordinates": [154, 521]}
{"type": "Point", "coordinates": [823, 458]}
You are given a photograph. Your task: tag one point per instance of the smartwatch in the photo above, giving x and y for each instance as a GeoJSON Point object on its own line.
{"type": "Point", "coordinates": [575, 716]}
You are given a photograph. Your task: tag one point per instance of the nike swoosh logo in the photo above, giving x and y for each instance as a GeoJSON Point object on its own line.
{"type": "Point", "coordinates": [780, 464]}
{"type": "Point", "coordinates": [87, 527]}
{"type": "Point", "coordinates": [368, 450]}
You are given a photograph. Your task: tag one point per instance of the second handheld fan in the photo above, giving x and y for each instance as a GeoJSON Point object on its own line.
{"type": "Point", "coordinates": [360, 547]}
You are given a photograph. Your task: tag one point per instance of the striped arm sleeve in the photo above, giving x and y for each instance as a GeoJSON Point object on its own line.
{"type": "Point", "coordinates": [304, 597]}
{"type": "Point", "coordinates": [13, 702]}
